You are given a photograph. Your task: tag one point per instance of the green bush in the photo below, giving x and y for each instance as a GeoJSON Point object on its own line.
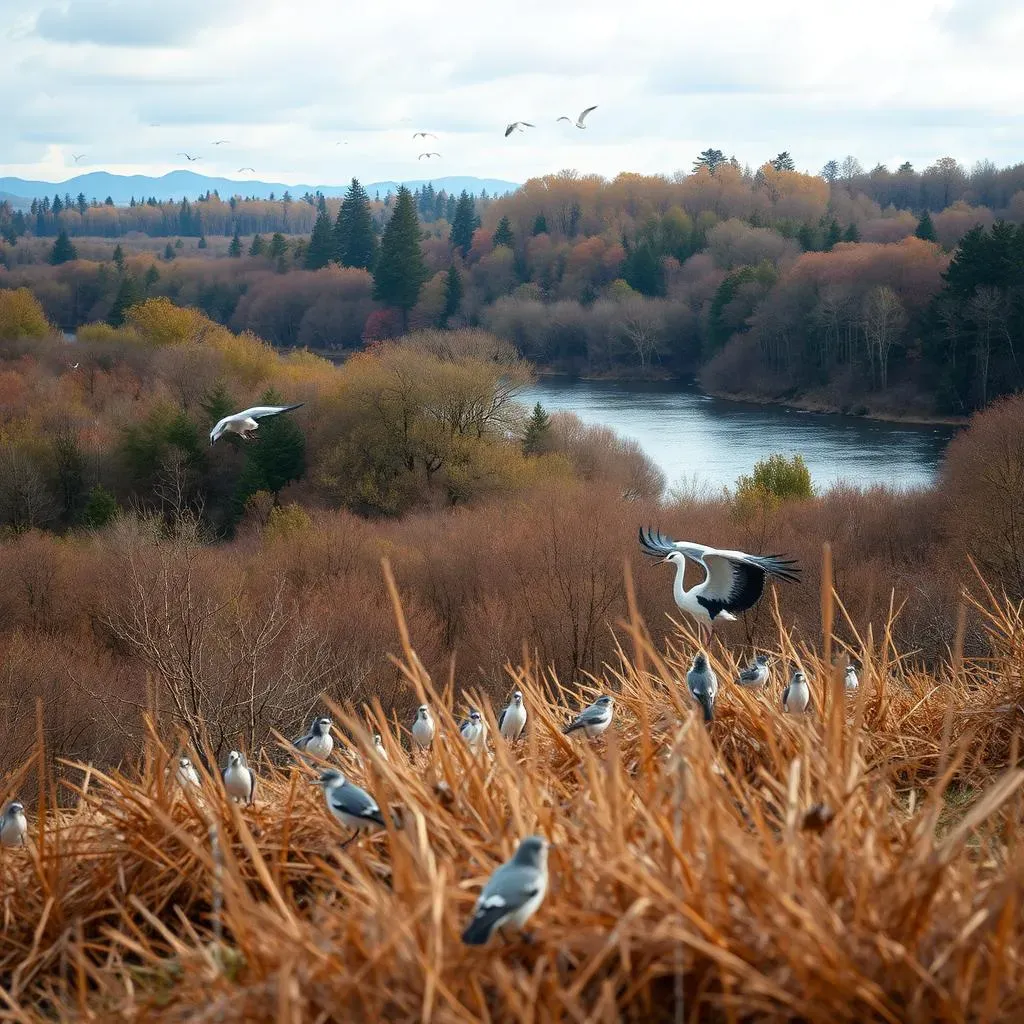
{"type": "Point", "coordinates": [774, 480]}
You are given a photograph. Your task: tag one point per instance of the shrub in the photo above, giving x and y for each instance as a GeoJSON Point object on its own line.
{"type": "Point", "coordinates": [775, 480]}
{"type": "Point", "coordinates": [100, 508]}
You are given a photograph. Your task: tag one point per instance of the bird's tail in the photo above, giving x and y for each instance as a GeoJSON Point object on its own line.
{"type": "Point", "coordinates": [709, 707]}
{"type": "Point", "coordinates": [478, 931]}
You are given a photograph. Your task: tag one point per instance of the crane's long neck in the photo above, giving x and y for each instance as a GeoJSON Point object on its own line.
{"type": "Point", "coordinates": [679, 589]}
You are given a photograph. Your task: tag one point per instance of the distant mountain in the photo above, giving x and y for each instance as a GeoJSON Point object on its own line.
{"type": "Point", "coordinates": [189, 185]}
{"type": "Point", "coordinates": [17, 202]}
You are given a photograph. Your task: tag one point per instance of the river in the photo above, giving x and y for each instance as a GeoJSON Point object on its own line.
{"type": "Point", "coordinates": [702, 440]}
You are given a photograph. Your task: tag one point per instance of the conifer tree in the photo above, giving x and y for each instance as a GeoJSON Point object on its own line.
{"type": "Point", "coordinates": [926, 228]}
{"type": "Point", "coordinates": [128, 295]}
{"type": "Point", "coordinates": [169, 252]}
{"type": "Point", "coordinates": [540, 225]}
{"type": "Point", "coordinates": [202, 242]}
{"type": "Point", "coordinates": [82, 204]}
{"type": "Point", "coordinates": [62, 250]}
{"type": "Point", "coordinates": [465, 223]}
{"type": "Point", "coordinates": [536, 439]}
{"type": "Point", "coordinates": [278, 246]}
{"type": "Point", "coordinates": [119, 257]}
{"type": "Point", "coordinates": [235, 248]}
{"type": "Point", "coordinates": [503, 234]}
{"type": "Point", "coordinates": [452, 294]}
{"type": "Point", "coordinates": [57, 205]}
{"type": "Point", "coordinates": [355, 244]}
{"type": "Point", "coordinates": [258, 247]}
{"type": "Point", "coordinates": [320, 250]}
{"type": "Point", "coordinates": [151, 277]}
{"type": "Point", "coordinates": [400, 269]}
{"type": "Point", "coordinates": [833, 234]}
{"type": "Point", "coordinates": [278, 459]}
{"type": "Point", "coordinates": [852, 233]}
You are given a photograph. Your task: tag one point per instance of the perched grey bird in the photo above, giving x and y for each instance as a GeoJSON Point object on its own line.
{"type": "Point", "coordinates": [850, 680]}
{"type": "Point", "coordinates": [186, 773]}
{"type": "Point", "coordinates": [512, 894]}
{"type": "Point", "coordinates": [595, 719]}
{"type": "Point", "coordinates": [423, 727]}
{"type": "Point", "coordinates": [579, 120]}
{"type": "Point", "coordinates": [244, 423]}
{"type": "Point", "coordinates": [756, 674]}
{"type": "Point", "coordinates": [318, 741]}
{"type": "Point", "coordinates": [239, 781]}
{"type": "Point", "coordinates": [474, 731]}
{"type": "Point", "coordinates": [427, 155]}
{"type": "Point", "coordinates": [703, 684]}
{"type": "Point", "coordinates": [350, 804]}
{"type": "Point", "coordinates": [13, 825]}
{"type": "Point", "coordinates": [512, 720]}
{"type": "Point", "coordinates": [797, 695]}
{"type": "Point", "coordinates": [378, 744]}
{"type": "Point", "coordinates": [517, 126]}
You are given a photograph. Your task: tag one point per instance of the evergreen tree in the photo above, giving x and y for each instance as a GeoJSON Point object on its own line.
{"type": "Point", "coordinates": [62, 250]}
{"type": "Point", "coordinates": [179, 244]}
{"type": "Point", "coordinates": [320, 250]}
{"type": "Point", "coordinates": [643, 271]}
{"type": "Point", "coordinates": [452, 294]}
{"type": "Point", "coordinates": [711, 159]}
{"type": "Point", "coordinates": [808, 238]}
{"type": "Point", "coordinates": [278, 246]}
{"type": "Point", "coordinates": [169, 252]}
{"type": "Point", "coordinates": [119, 258]}
{"type": "Point", "coordinates": [540, 225]}
{"type": "Point", "coordinates": [783, 162]}
{"type": "Point", "coordinates": [128, 295]}
{"type": "Point", "coordinates": [217, 403]}
{"type": "Point", "coordinates": [503, 234]}
{"type": "Point", "coordinates": [536, 437]}
{"type": "Point", "coordinates": [151, 277]}
{"type": "Point", "coordinates": [465, 223]}
{"type": "Point", "coordinates": [235, 248]}
{"type": "Point", "coordinates": [400, 269]}
{"type": "Point", "coordinates": [830, 172]}
{"type": "Point", "coordinates": [355, 244]}
{"type": "Point", "coordinates": [833, 234]}
{"type": "Point", "coordinates": [258, 247]}
{"type": "Point", "coordinates": [57, 205]}
{"type": "Point", "coordinates": [278, 458]}
{"type": "Point", "coordinates": [100, 508]}
{"type": "Point", "coordinates": [925, 228]}
{"type": "Point", "coordinates": [82, 204]}
{"type": "Point", "coordinates": [202, 242]}
{"type": "Point", "coordinates": [852, 233]}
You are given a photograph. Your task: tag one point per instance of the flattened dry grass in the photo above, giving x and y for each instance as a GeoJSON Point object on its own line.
{"type": "Point", "coordinates": [767, 868]}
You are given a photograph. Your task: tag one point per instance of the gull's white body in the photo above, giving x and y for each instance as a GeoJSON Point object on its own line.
{"type": "Point", "coordinates": [318, 742]}
{"type": "Point", "coordinates": [797, 696]}
{"type": "Point", "coordinates": [239, 781]}
{"type": "Point", "coordinates": [379, 746]}
{"type": "Point", "coordinates": [423, 728]}
{"type": "Point", "coordinates": [186, 773]}
{"type": "Point", "coordinates": [474, 732]}
{"type": "Point", "coordinates": [245, 422]}
{"type": "Point", "coordinates": [757, 674]}
{"type": "Point", "coordinates": [850, 680]}
{"type": "Point", "coordinates": [593, 720]}
{"type": "Point", "coordinates": [579, 120]}
{"type": "Point", "coordinates": [513, 719]}
{"type": "Point", "coordinates": [13, 825]}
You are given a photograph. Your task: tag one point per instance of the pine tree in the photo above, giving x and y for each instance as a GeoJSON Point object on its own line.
{"type": "Point", "coordinates": [503, 234]}
{"type": "Point", "coordinates": [258, 247]}
{"type": "Point", "coordinates": [452, 294]}
{"type": "Point", "coordinates": [833, 234]}
{"type": "Point", "coordinates": [100, 508]}
{"type": "Point", "coordinates": [276, 460]}
{"type": "Point", "coordinates": [169, 252]}
{"type": "Point", "coordinates": [82, 204]}
{"type": "Point", "coordinates": [355, 244]}
{"type": "Point", "coordinates": [783, 162]}
{"type": "Point", "coordinates": [536, 437]}
{"type": "Point", "coordinates": [128, 295]}
{"type": "Point", "coordinates": [465, 223]}
{"type": "Point", "coordinates": [278, 246]}
{"type": "Point", "coordinates": [119, 258]}
{"type": "Point", "coordinates": [400, 269]}
{"type": "Point", "coordinates": [235, 248]}
{"type": "Point", "coordinates": [926, 228]}
{"type": "Point", "coordinates": [62, 250]}
{"type": "Point", "coordinates": [540, 225]}
{"type": "Point", "coordinates": [320, 250]}
{"type": "Point", "coordinates": [57, 205]}
{"type": "Point", "coordinates": [202, 242]}
{"type": "Point", "coordinates": [450, 206]}
{"type": "Point", "coordinates": [852, 233]}
{"type": "Point", "coordinates": [151, 277]}
{"type": "Point", "coordinates": [711, 159]}
{"type": "Point", "coordinates": [217, 402]}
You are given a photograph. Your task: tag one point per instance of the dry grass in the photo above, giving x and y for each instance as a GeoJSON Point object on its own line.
{"type": "Point", "coordinates": [858, 864]}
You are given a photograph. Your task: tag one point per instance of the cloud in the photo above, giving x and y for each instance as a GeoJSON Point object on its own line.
{"type": "Point", "coordinates": [976, 17]}
{"type": "Point", "coordinates": [127, 23]}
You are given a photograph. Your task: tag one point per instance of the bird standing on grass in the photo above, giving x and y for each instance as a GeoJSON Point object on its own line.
{"type": "Point", "coordinates": [703, 685]}
{"type": "Point", "coordinates": [244, 423]}
{"type": "Point", "coordinates": [474, 731]}
{"type": "Point", "coordinates": [595, 719]}
{"type": "Point", "coordinates": [13, 825]}
{"type": "Point", "coordinates": [512, 720]}
{"type": "Point", "coordinates": [239, 781]}
{"type": "Point", "coordinates": [850, 680]}
{"type": "Point", "coordinates": [378, 745]}
{"type": "Point", "coordinates": [423, 727]}
{"type": "Point", "coordinates": [350, 804]}
{"type": "Point", "coordinates": [757, 673]}
{"type": "Point", "coordinates": [318, 741]}
{"type": "Point", "coordinates": [513, 893]}
{"type": "Point", "coordinates": [186, 773]}
{"type": "Point", "coordinates": [797, 695]}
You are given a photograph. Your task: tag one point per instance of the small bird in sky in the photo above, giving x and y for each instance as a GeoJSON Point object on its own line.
{"type": "Point", "coordinates": [13, 825]}
{"type": "Point", "coordinates": [756, 674]}
{"type": "Point", "coordinates": [474, 731]}
{"type": "Point", "coordinates": [595, 719]}
{"type": "Point", "coordinates": [424, 135]}
{"type": "Point", "coordinates": [350, 804]}
{"type": "Point", "coordinates": [513, 893]}
{"type": "Point", "coordinates": [512, 720]}
{"type": "Point", "coordinates": [186, 773]}
{"type": "Point", "coordinates": [77, 157]}
{"type": "Point", "coordinates": [423, 727]}
{"type": "Point", "coordinates": [427, 155]}
{"type": "Point", "coordinates": [239, 781]}
{"type": "Point", "coordinates": [318, 741]}
{"type": "Point", "coordinates": [797, 695]}
{"type": "Point", "coordinates": [517, 126]}
{"type": "Point", "coordinates": [703, 685]}
{"type": "Point", "coordinates": [579, 120]}
{"type": "Point", "coordinates": [190, 158]}
{"type": "Point", "coordinates": [245, 422]}
{"type": "Point", "coordinates": [850, 680]}
{"type": "Point", "coordinates": [241, 170]}
{"type": "Point", "coordinates": [220, 142]}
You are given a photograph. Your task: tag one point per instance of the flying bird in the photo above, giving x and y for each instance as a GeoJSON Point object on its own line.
{"type": "Point", "coordinates": [517, 126]}
{"type": "Point", "coordinates": [186, 773]}
{"type": "Point", "coordinates": [512, 720]}
{"type": "Point", "coordinates": [79, 156]}
{"type": "Point", "coordinates": [427, 155]}
{"type": "Point", "coordinates": [756, 674]}
{"type": "Point", "coordinates": [474, 731]}
{"type": "Point", "coordinates": [318, 742]}
{"type": "Point", "coordinates": [350, 804]}
{"type": "Point", "coordinates": [733, 582]}
{"type": "Point", "coordinates": [595, 719]}
{"type": "Point", "coordinates": [424, 135]}
{"type": "Point", "coordinates": [513, 893]}
{"type": "Point", "coordinates": [13, 825]}
{"type": "Point", "coordinates": [423, 727]}
{"type": "Point", "coordinates": [242, 169]}
{"type": "Point", "coordinates": [244, 423]}
{"type": "Point", "coordinates": [579, 120]}
{"type": "Point", "coordinates": [703, 685]}
{"type": "Point", "coordinates": [220, 142]}
{"type": "Point", "coordinates": [239, 781]}
{"type": "Point", "coordinates": [797, 695]}
{"type": "Point", "coordinates": [190, 158]}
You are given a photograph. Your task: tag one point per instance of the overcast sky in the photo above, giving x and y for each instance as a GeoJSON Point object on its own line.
{"type": "Point", "coordinates": [130, 83]}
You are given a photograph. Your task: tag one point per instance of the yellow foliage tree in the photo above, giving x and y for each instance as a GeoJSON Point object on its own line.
{"type": "Point", "coordinates": [160, 322]}
{"type": "Point", "coordinates": [21, 316]}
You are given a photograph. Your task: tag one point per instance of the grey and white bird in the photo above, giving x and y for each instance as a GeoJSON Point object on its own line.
{"type": "Point", "coordinates": [427, 156]}
{"type": "Point", "coordinates": [513, 893]}
{"type": "Point", "coordinates": [378, 745]}
{"type": "Point", "coordinates": [517, 126]}
{"type": "Point", "coordinates": [220, 142]}
{"type": "Point", "coordinates": [78, 156]}
{"type": "Point", "coordinates": [733, 581]}
{"type": "Point", "coordinates": [245, 422]}
{"type": "Point", "coordinates": [579, 120]}
{"type": "Point", "coordinates": [512, 720]}
{"type": "Point", "coordinates": [318, 742]}
{"type": "Point", "coordinates": [756, 673]}
{"type": "Point", "coordinates": [13, 825]}
{"type": "Point", "coordinates": [593, 720]}
{"type": "Point", "coordinates": [423, 727]}
{"type": "Point", "coordinates": [239, 780]}
{"type": "Point", "coordinates": [474, 731]}
{"type": "Point", "coordinates": [190, 158]}
{"type": "Point", "coordinates": [797, 695]}
{"type": "Point", "coordinates": [350, 804]}
{"type": "Point", "coordinates": [424, 135]}
{"type": "Point", "coordinates": [241, 170]}
{"type": "Point", "coordinates": [186, 773]}
{"type": "Point", "coordinates": [850, 680]}
{"type": "Point", "coordinates": [703, 684]}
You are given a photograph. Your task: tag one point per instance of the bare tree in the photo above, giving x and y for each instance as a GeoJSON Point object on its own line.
{"type": "Point", "coordinates": [884, 323]}
{"type": "Point", "coordinates": [641, 324]}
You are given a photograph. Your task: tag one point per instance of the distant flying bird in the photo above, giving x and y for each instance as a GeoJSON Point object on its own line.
{"type": "Point", "coordinates": [318, 741]}
{"type": "Point", "coordinates": [757, 673]}
{"type": "Point", "coordinates": [13, 825]}
{"type": "Point", "coordinates": [734, 580]}
{"type": "Point", "coordinates": [220, 142]}
{"type": "Point", "coordinates": [80, 156]}
{"type": "Point", "coordinates": [579, 120]}
{"type": "Point", "coordinates": [243, 169]}
{"type": "Point", "coordinates": [427, 155]}
{"type": "Point", "coordinates": [474, 731]}
{"type": "Point", "coordinates": [703, 685]}
{"type": "Point", "coordinates": [186, 773]}
{"type": "Point", "coordinates": [190, 158]}
{"type": "Point", "coordinates": [350, 804]}
{"type": "Point", "coordinates": [797, 695]}
{"type": "Point", "coordinates": [423, 727]}
{"type": "Point", "coordinates": [424, 135]}
{"type": "Point", "coordinates": [513, 893]}
{"type": "Point", "coordinates": [595, 719]}
{"type": "Point", "coordinates": [244, 423]}
{"type": "Point", "coordinates": [517, 126]}
{"type": "Point", "coordinates": [512, 720]}
{"type": "Point", "coordinates": [239, 781]}
{"type": "Point", "coordinates": [850, 680]}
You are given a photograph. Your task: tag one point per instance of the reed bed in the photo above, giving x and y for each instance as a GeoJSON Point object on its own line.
{"type": "Point", "coordinates": [856, 864]}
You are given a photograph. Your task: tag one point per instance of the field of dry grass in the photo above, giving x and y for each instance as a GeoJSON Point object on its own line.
{"type": "Point", "coordinates": [856, 864]}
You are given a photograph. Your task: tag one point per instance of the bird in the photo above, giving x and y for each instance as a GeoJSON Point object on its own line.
{"type": "Point", "coordinates": [797, 695]}
{"type": "Point", "coordinates": [579, 120]}
{"type": "Point", "coordinates": [424, 135]}
{"type": "Point", "coordinates": [517, 126]}
{"type": "Point", "coordinates": [75, 366]}
{"type": "Point", "coordinates": [474, 731]}
{"type": "Point", "coordinates": [512, 894]}
{"type": "Point", "coordinates": [734, 580]}
{"type": "Point", "coordinates": [243, 169]}
{"type": "Point", "coordinates": [245, 422]}
{"type": "Point", "coordinates": [186, 773]}
{"type": "Point", "coordinates": [350, 804]}
{"type": "Point", "coordinates": [595, 719]}
{"type": "Point", "coordinates": [756, 674]}
{"type": "Point", "coordinates": [239, 781]}
{"type": "Point", "coordinates": [318, 741]}
{"type": "Point", "coordinates": [190, 158]}
{"type": "Point", "coordinates": [703, 684]}
{"type": "Point", "coordinates": [13, 825]}
{"type": "Point", "coordinates": [378, 744]}
{"type": "Point", "coordinates": [427, 155]}
{"type": "Point", "coordinates": [850, 680]}
{"type": "Point", "coordinates": [79, 156]}
{"type": "Point", "coordinates": [423, 727]}
{"type": "Point", "coordinates": [512, 720]}
{"type": "Point", "coordinates": [220, 142]}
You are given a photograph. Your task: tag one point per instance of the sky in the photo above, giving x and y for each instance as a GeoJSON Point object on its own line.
{"type": "Point", "coordinates": [320, 91]}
